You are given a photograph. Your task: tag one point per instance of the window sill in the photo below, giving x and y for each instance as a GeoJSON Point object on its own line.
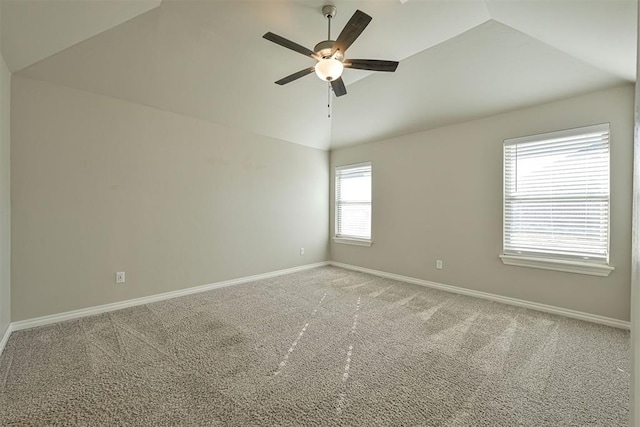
{"type": "Point", "coordinates": [557, 265]}
{"type": "Point", "coordinates": [350, 241]}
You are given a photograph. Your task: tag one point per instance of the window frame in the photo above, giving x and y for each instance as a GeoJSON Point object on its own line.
{"type": "Point", "coordinates": [349, 240]}
{"type": "Point", "coordinates": [548, 261]}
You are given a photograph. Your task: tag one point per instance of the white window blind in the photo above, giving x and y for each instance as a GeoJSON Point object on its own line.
{"type": "Point", "coordinates": [353, 201]}
{"type": "Point", "coordinates": [556, 195]}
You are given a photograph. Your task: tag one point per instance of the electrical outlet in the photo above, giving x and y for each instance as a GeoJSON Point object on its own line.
{"type": "Point", "coordinates": [301, 251]}
{"type": "Point", "coordinates": [439, 264]}
{"type": "Point", "coordinates": [120, 277]}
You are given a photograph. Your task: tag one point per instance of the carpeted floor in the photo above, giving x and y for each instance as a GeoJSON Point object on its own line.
{"type": "Point", "coordinates": [322, 347]}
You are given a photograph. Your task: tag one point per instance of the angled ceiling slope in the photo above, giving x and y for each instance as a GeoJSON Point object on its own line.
{"type": "Point", "coordinates": [36, 29]}
{"type": "Point", "coordinates": [459, 60]}
{"type": "Point", "coordinates": [489, 69]}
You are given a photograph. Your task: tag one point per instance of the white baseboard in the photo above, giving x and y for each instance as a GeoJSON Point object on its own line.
{"type": "Point", "coordinates": [493, 297]}
{"type": "Point", "coordinates": [5, 338]}
{"type": "Point", "coordinates": [75, 314]}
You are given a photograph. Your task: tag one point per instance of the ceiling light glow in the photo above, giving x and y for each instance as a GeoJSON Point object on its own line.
{"type": "Point", "coordinates": [329, 69]}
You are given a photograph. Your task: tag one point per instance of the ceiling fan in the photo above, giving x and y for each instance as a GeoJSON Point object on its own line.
{"type": "Point", "coordinates": [329, 54]}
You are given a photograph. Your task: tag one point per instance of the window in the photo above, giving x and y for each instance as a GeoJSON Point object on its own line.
{"type": "Point", "coordinates": [556, 201]}
{"type": "Point", "coordinates": [353, 204]}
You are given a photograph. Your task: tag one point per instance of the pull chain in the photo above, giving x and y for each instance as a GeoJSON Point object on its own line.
{"type": "Point", "coordinates": [329, 100]}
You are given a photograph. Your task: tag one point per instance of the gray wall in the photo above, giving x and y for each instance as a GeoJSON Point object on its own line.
{"type": "Point", "coordinates": [438, 195]}
{"type": "Point", "coordinates": [101, 185]}
{"type": "Point", "coordinates": [635, 260]}
{"type": "Point", "coordinates": [5, 199]}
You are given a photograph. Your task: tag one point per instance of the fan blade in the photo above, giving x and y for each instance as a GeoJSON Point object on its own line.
{"type": "Point", "coordinates": [351, 31]}
{"type": "Point", "coordinates": [295, 76]}
{"type": "Point", "coordinates": [289, 44]}
{"type": "Point", "coordinates": [338, 87]}
{"type": "Point", "coordinates": [371, 64]}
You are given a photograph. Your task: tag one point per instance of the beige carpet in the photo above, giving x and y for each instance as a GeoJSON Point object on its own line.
{"type": "Point", "coordinates": [322, 347]}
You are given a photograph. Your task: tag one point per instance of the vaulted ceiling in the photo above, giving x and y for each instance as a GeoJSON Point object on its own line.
{"type": "Point", "coordinates": [459, 60]}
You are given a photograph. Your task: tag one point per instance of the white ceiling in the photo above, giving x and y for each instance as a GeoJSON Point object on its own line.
{"type": "Point", "coordinates": [36, 29]}
{"type": "Point", "coordinates": [459, 60]}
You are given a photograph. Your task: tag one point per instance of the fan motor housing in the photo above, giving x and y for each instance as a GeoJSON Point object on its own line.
{"type": "Point", "coordinates": [324, 49]}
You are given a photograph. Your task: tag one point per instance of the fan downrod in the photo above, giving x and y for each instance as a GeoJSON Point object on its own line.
{"type": "Point", "coordinates": [324, 48]}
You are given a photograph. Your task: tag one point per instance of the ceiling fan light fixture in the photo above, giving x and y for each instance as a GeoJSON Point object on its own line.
{"type": "Point", "coordinates": [329, 69]}
{"type": "Point", "coordinates": [329, 54]}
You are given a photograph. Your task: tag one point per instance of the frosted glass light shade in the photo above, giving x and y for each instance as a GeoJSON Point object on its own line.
{"type": "Point", "coordinates": [329, 69]}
